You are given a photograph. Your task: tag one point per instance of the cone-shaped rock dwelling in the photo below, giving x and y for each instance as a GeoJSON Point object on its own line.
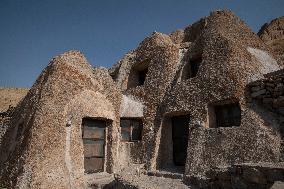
{"type": "Point", "coordinates": [43, 147]}
{"type": "Point", "coordinates": [188, 105]}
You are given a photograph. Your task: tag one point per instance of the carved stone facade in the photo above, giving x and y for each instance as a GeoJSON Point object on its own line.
{"type": "Point", "coordinates": [198, 92]}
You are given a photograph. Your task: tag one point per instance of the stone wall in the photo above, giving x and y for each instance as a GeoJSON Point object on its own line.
{"type": "Point", "coordinates": [5, 118]}
{"type": "Point", "coordinates": [161, 55]}
{"type": "Point", "coordinates": [269, 92]}
{"type": "Point", "coordinates": [232, 56]}
{"type": "Point", "coordinates": [228, 65]}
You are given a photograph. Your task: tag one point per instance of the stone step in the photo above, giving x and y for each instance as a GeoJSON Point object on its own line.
{"type": "Point", "coordinates": [165, 174]}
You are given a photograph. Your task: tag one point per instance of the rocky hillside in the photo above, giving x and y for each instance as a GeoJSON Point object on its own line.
{"type": "Point", "coordinates": [11, 97]}
{"type": "Point", "coordinates": [273, 35]}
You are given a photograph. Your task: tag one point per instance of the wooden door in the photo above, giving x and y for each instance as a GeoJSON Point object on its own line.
{"type": "Point", "coordinates": [94, 145]}
{"type": "Point", "coordinates": [180, 129]}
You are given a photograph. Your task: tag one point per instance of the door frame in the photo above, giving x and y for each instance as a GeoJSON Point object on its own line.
{"type": "Point", "coordinates": [164, 158]}
{"type": "Point", "coordinates": [180, 137]}
{"type": "Point", "coordinates": [108, 123]}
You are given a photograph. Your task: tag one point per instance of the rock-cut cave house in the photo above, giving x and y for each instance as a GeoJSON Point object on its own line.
{"type": "Point", "coordinates": [188, 103]}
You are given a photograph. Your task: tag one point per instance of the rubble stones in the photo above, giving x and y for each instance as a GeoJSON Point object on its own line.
{"type": "Point", "coordinates": [269, 91]}
{"type": "Point", "coordinates": [246, 176]}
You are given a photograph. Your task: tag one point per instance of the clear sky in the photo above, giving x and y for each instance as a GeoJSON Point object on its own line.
{"type": "Point", "coordinates": [33, 31]}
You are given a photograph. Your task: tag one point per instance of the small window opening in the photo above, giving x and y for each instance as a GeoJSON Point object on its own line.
{"type": "Point", "coordinates": [138, 73]}
{"type": "Point", "coordinates": [225, 115]}
{"type": "Point", "coordinates": [195, 64]}
{"type": "Point", "coordinates": [131, 129]}
{"type": "Point", "coordinates": [191, 68]}
{"type": "Point", "coordinates": [142, 76]}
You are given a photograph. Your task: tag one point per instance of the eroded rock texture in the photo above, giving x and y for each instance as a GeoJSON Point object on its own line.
{"type": "Point", "coordinates": [200, 76]}
{"type": "Point", "coordinates": [231, 57]}
{"type": "Point", "coordinates": [273, 35]}
{"type": "Point", "coordinates": [9, 98]}
{"type": "Point", "coordinates": [38, 149]}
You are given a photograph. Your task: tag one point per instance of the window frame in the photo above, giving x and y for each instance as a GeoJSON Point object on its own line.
{"type": "Point", "coordinates": [138, 74]}
{"type": "Point", "coordinates": [226, 115]}
{"type": "Point", "coordinates": [130, 128]}
{"type": "Point", "coordinates": [191, 68]}
{"type": "Point", "coordinates": [195, 66]}
{"type": "Point", "coordinates": [142, 74]}
{"type": "Point", "coordinates": [216, 110]}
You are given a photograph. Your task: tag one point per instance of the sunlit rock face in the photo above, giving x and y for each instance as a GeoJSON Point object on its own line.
{"type": "Point", "coordinates": [43, 146]}
{"type": "Point", "coordinates": [198, 88]}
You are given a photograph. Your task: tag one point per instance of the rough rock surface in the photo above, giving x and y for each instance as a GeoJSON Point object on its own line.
{"type": "Point", "coordinates": [273, 35]}
{"type": "Point", "coordinates": [269, 92]}
{"type": "Point", "coordinates": [38, 150]}
{"type": "Point", "coordinates": [189, 72]}
{"type": "Point", "coordinates": [9, 98]}
{"type": "Point", "coordinates": [232, 56]}
{"type": "Point", "coordinates": [261, 176]}
{"type": "Point", "coordinates": [5, 118]}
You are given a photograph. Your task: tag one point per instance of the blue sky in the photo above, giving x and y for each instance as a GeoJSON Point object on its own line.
{"type": "Point", "coordinates": [34, 31]}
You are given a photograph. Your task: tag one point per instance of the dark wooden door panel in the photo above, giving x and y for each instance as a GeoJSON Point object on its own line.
{"type": "Point", "coordinates": [180, 129]}
{"type": "Point", "coordinates": [94, 148]}
{"type": "Point", "coordinates": [94, 132]}
{"type": "Point", "coordinates": [94, 145]}
{"type": "Point", "coordinates": [93, 165]}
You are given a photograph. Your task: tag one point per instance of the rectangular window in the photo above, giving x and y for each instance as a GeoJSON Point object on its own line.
{"type": "Point", "coordinates": [138, 74]}
{"type": "Point", "coordinates": [142, 76]}
{"type": "Point", "coordinates": [228, 115]}
{"type": "Point", "coordinates": [190, 69]}
{"type": "Point", "coordinates": [131, 129]}
{"type": "Point", "coordinates": [195, 64]}
{"type": "Point", "coordinates": [125, 130]}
